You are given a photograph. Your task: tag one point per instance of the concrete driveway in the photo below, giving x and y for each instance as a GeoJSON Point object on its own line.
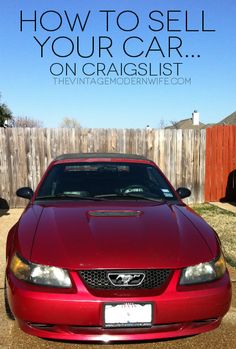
{"type": "Point", "coordinates": [11, 337]}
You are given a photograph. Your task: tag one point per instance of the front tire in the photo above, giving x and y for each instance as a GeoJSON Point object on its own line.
{"type": "Point", "coordinates": [7, 306]}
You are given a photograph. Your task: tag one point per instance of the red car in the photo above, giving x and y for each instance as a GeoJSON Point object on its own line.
{"type": "Point", "coordinates": [106, 250]}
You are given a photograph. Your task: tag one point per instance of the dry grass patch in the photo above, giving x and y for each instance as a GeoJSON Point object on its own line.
{"type": "Point", "coordinates": [224, 223]}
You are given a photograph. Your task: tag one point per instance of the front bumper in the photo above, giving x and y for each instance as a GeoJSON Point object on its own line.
{"type": "Point", "coordinates": [79, 316]}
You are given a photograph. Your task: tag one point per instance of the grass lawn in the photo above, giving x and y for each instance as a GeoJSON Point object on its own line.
{"type": "Point", "coordinates": [224, 223]}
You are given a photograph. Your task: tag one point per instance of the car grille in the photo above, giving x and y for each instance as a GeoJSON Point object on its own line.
{"type": "Point", "coordinates": [98, 279]}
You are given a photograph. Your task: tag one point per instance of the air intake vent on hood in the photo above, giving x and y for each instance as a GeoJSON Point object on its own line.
{"type": "Point", "coordinates": [114, 213]}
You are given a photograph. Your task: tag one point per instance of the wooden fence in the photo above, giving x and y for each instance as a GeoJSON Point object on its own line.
{"type": "Point", "coordinates": [220, 181]}
{"type": "Point", "coordinates": [25, 154]}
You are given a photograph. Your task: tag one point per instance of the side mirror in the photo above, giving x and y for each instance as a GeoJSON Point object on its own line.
{"type": "Point", "coordinates": [183, 192]}
{"type": "Point", "coordinates": [25, 193]}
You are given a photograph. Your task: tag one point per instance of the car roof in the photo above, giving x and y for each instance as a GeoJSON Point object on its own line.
{"type": "Point", "coordinates": [99, 155]}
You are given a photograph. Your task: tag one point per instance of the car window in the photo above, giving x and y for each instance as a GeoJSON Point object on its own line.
{"type": "Point", "coordinates": [97, 179]}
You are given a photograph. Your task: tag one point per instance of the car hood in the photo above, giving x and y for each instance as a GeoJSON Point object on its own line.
{"type": "Point", "coordinates": [119, 235]}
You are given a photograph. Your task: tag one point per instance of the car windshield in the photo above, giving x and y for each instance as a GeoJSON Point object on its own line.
{"type": "Point", "coordinates": [103, 180]}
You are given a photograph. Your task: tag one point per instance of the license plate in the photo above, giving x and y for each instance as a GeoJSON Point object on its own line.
{"type": "Point", "coordinates": [128, 315]}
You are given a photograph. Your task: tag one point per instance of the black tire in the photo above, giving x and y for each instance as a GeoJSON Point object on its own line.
{"type": "Point", "coordinates": [7, 306]}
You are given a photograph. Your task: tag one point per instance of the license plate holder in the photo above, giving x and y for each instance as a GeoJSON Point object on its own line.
{"type": "Point", "coordinates": [128, 314]}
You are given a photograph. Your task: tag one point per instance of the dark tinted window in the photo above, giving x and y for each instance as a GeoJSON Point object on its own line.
{"type": "Point", "coordinates": [94, 179]}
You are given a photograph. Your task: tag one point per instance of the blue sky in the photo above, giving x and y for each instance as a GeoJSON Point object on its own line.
{"type": "Point", "coordinates": [28, 87]}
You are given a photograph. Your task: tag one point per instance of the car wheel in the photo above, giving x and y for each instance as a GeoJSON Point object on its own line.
{"type": "Point", "coordinates": [7, 306]}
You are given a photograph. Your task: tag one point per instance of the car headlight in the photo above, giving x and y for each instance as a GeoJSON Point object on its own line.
{"type": "Point", "coordinates": [203, 272]}
{"type": "Point", "coordinates": [39, 274]}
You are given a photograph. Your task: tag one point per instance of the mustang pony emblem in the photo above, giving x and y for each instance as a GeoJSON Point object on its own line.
{"type": "Point", "coordinates": [126, 279]}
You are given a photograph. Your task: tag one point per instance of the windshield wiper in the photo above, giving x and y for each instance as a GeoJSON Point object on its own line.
{"type": "Point", "coordinates": [68, 196]}
{"type": "Point", "coordinates": [132, 196]}
{"type": "Point", "coordinates": [101, 197]}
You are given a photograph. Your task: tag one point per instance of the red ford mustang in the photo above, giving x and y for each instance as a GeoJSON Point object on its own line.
{"type": "Point", "coordinates": [107, 251]}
